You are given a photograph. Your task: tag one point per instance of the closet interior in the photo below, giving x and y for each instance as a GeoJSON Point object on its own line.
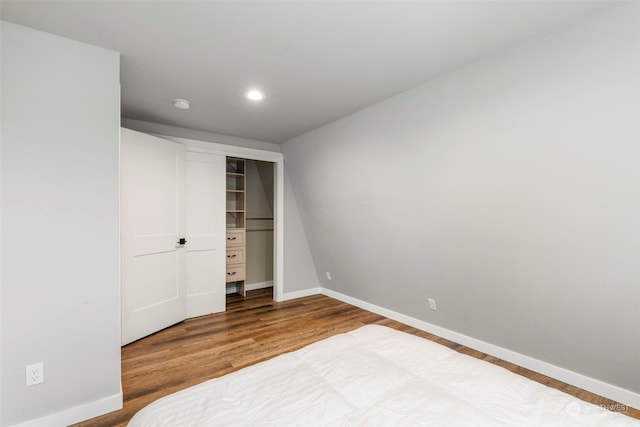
{"type": "Point", "coordinates": [249, 220]}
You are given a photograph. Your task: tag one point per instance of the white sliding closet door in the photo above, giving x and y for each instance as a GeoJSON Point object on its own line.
{"type": "Point", "coordinates": [153, 222]}
{"type": "Point", "coordinates": [206, 181]}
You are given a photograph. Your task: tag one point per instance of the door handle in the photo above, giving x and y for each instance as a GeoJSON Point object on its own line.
{"type": "Point", "coordinates": [182, 241]}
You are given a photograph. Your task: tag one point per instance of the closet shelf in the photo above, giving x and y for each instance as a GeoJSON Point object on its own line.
{"type": "Point", "coordinates": [236, 203]}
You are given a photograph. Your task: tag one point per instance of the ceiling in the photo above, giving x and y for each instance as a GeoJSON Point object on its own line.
{"type": "Point", "coordinates": [315, 61]}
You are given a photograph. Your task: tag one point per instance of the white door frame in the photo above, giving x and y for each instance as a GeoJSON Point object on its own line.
{"type": "Point", "coordinates": [196, 146]}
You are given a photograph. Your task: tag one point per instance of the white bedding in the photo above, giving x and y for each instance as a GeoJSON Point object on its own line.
{"type": "Point", "coordinates": [374, 376]}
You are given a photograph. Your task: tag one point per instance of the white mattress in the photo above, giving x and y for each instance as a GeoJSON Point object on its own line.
{"type": "Point", "coordinates": [374, 376]}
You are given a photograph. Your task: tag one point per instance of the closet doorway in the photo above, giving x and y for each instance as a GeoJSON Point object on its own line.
{"type": "Point", "coordinates": [173, 227]}
{"type": "Point", "coordinates": [250, 213]}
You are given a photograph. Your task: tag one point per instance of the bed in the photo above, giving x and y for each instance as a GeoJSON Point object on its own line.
{"type": "Point", "coordinates": [374, 376]}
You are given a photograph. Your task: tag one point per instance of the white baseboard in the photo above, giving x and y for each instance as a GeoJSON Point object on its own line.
{"type": "Point", "coordinates": [258, 285]}
{"type": "Point", "coordinates": [286, 296]}
{"type": "Point", "coordinates": [77, 413]}
{"type": "Point", "coordinates": [607, 390]}
{"type": "Point", "coordinates": [303, 293]}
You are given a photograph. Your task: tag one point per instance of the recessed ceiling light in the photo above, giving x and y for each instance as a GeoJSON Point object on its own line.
{"type": "Point", "coordinates": [254, 95]}
{"type": "Point", "coordinates": [182, 104]}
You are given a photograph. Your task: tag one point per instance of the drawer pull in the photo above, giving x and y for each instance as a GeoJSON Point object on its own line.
{"type": "Point", "coordinates": [232, 238]}
{"type": "Point", "coordinates": [232, 256]}
{"type": "Point", "coordinates": [231, 273]}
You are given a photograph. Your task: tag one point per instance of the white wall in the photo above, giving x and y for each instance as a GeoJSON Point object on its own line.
{"type": "Point", "coordinates": [508, 190]}
{"type": "Point", "coordinates": [60, 228]}
{"type": "Point", "coordinates": [300, 272]}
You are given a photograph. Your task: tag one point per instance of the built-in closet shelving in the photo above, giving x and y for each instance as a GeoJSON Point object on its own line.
{"type": "Point", "coordinates": [236, 223]}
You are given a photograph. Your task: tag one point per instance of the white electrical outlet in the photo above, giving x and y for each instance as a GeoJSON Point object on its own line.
{"type": "Point", "coordinates": [328, 275]}
{"type": "Point", "coordinates": [35, 374]}
{"type": "Point", "coordinates": [432, 304]}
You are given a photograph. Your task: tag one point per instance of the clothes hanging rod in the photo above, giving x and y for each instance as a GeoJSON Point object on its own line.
{"type": "Point", "coordinates": [259, 219]}
{"type": "Point", "coordinates": [259, 229]}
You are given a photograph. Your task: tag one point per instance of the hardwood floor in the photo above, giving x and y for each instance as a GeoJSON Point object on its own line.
{"type": "Point", "coordinates": [253, 330]}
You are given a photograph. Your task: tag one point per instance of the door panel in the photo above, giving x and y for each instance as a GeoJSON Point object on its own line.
{"type": "Point", "coordinates": [200, 271]}
{"type": "Point", "coordinates": [153, 220]}
{"type": "Point", "coordinates": [205, 196]}
{"type": "Point", "coordinates": [157, 279]}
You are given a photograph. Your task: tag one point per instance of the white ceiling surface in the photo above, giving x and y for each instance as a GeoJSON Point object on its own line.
{"type": "Point", "coordinates": [316, 61]}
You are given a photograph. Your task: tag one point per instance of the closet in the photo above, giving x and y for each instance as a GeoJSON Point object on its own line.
{"type": "Point", "coordinates": [249, 221]}
{"type": "Point", "coordinates": [196, 224]}
{"type": "Point", "coordinates": [236, 224]}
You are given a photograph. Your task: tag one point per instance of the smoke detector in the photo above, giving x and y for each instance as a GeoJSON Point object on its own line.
{"type": "Point", "coordinates": [182, 104]}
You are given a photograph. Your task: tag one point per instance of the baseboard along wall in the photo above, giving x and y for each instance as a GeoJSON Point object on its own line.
{"type": "Point", "coordinates": [601, 388]}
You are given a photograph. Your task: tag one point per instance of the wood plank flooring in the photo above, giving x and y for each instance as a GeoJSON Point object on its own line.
{"type": "Point", "coordinates": [255, 329]}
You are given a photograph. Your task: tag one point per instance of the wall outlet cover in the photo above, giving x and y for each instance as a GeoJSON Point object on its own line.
{"type": "Point", "coordinates": [35, 374]}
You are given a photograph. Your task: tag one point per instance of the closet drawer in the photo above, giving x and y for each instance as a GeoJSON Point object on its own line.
{"type": "Point", "coordinates": [235, 255]}
{"type": "Point", "coordinates": [235, 238]}
{"type": "Point", "coordinates": [235, 273]}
